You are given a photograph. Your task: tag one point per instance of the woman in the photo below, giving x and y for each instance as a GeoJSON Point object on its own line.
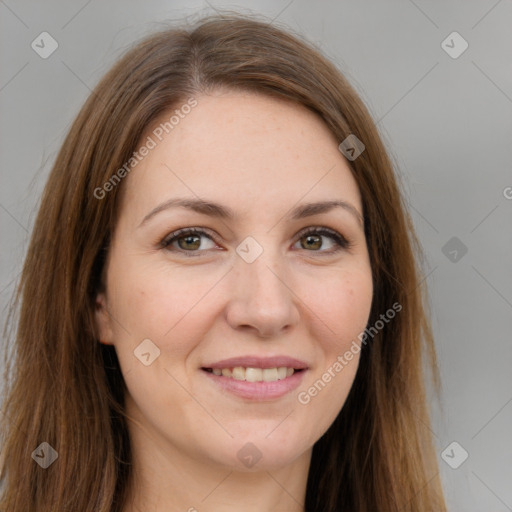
{"type": "Point", "coordinates": [220, 304]}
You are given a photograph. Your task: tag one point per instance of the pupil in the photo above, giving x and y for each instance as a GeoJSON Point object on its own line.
{"type": "Point", "coordinates": [313, 241]}
{"type": "Point", "coordinates": [188, 240]}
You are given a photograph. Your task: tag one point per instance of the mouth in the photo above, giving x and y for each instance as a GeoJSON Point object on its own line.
{"type": "Point", "coordinates": [256, 378]}
{"type": "Point", "coordinates": [251, 374]}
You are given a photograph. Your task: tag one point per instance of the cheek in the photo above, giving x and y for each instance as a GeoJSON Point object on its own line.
{"type": "Point", "coordinates": [151, 298]}
{"type": "Point", "coordinates": [343, 303]}
{"type": "Point", "coordinates": [341, 311]}
{"type": "Point", "coordinates": [162, 304]}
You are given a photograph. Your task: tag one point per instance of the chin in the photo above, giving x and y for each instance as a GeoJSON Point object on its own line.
{"type": "Point", "coordinates": [253, 453]}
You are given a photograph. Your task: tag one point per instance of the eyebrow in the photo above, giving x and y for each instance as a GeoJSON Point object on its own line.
{"type": "Point", "coordinates": [217, 210]}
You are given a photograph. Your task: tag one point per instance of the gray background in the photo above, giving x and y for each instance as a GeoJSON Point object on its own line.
{"type": "Point", "coordinates": [446, 121]}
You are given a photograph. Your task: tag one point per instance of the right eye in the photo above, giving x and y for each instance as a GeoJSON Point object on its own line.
{"type": "Point", "coordinates": [188, 240]}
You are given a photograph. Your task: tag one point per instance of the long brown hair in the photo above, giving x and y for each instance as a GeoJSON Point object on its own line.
{"type": "Point", "coordinates": [64, 388]}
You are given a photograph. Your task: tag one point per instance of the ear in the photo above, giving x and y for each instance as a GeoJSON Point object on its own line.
{"type": "Point", "coordinates": [103, 320]}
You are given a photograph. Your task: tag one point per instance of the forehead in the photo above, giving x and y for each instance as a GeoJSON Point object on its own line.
{"type": "Point", "coordinates": [241, 148]}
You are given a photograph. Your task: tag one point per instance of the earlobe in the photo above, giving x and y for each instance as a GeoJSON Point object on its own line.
{"type": "Point", "coordinates": [103, 320]}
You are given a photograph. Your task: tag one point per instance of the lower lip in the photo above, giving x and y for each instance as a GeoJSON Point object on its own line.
{"type": "Point", "coordinates": [258, 390]}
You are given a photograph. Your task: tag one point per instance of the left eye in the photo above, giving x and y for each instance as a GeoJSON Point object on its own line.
{"type": "Point", "coordinates": [313, 239]}
{"type": "Point", "coordinates": [189, 240]}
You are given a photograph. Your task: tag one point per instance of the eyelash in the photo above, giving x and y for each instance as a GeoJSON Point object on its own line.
{"type": "Point", "coordinates": [341, 242]}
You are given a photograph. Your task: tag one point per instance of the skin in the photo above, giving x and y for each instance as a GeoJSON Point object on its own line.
{"type": "Point", "coordinates": [260, 157]}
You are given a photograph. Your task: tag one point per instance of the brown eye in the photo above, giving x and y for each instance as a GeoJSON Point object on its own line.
{"type": "Point", "coordinates": [312, 240]}
{"type": "Point", "coordinates": [188, 240]}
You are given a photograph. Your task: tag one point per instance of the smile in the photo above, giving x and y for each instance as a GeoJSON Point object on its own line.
{"type": "Point", "coordinates": [254, 374]}
{"type": "Point", "coordinates": [256, 384]}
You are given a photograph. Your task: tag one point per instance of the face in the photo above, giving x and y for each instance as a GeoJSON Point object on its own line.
{"type": "Point", "coordinates": [262, 282]}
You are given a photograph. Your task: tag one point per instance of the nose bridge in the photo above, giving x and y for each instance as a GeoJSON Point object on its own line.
{"type": "Point", "coordinates": [263, 270]}
{"type": "Point", "coordinates": [261, 296]}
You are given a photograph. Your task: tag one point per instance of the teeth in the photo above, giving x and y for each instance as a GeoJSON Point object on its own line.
{"type": "Point", "coordinates": [255, 374]}
{"type": "Point", "coordinates": [270, 374]}
{"type": "Point", "coordinates": [238, 373]}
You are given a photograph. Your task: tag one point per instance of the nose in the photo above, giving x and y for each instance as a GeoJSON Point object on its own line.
{"type": "Point", "coordinates": [262, 296]}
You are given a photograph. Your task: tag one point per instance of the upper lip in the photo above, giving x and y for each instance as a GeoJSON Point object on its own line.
{"type": "Point", "coordinates": [259, 362]}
